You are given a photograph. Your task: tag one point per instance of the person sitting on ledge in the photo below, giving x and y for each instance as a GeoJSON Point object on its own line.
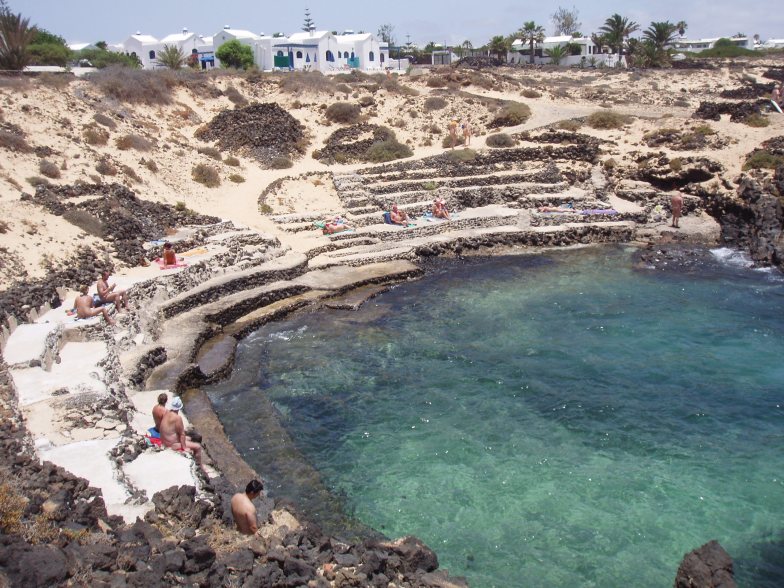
{"type": "Point", "coordinates": [107, 293]}
{"type": "Point", "coordinates": [439, 209]}
{"type": "Point", "coordinates": [398, 217]}
{"type": "Point", "coordinates": [243, 509]}
{"type": "Point", "coordinates": [158, 411]}
{"type": "Point", "coordinates": [85, 306]}
{"type": "Point", "coordinates": [172, 431]}
{"type": "Point", "coordinates": [169, 256]}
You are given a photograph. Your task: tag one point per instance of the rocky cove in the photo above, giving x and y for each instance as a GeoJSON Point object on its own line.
{"type": "Point", "coordinates": [183, 332]}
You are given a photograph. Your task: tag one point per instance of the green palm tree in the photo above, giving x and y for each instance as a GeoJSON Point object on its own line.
{"type": "Point", "coordinates": [556, 54]}
{"type": "Point", "coordinates": [660, 35]}
{"type": "Point", "coordinates": [498, 45]}
{"type": "Point", "coordinates": [171, 57]}
{"type": "Point", "coordinates": [532, 33]}
{"type": "Point", "coordinates": [682, 26]}
{"type": "Point", "coordinates": [16, 34]}
{"type": "Point", "coordinates": [467, 46]}
{"type": "Point", "coordinates": [616, 29]}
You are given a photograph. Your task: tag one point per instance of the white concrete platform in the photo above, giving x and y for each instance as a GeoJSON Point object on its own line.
{"type": "Point", "coordinates": [78, 371]}
{"type": "Point", "coordinates": [90, 460]}
{"type": "Point", "coordinates": [27, 342]}
{"type": "Point", "coordinates": [156, 470]}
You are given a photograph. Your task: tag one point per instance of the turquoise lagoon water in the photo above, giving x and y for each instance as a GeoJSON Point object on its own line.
{"type": "Point", "coordinates": [566, 419]}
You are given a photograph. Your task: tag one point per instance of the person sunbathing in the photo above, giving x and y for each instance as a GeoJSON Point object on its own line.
{"type": "Point", "coordinates": [172, 431]}
{"type": "Point", "coordinates": [439, 209]}
{"type": "Point", "coordinates": [169, 255]}
{"type": "Point", "coordinates": [397, 216]}
{"type": "Point", "coordinates": [335, 226]}
{"type": "Point", "coordinates": [563, 208]}
{"type": "Point", "coordinates": [85, 307]}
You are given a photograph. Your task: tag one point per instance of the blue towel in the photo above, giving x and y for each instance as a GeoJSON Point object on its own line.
{"type": "Point", "coordinates": [154, 433]}
{"type": "Point", "coordinates": [388, 218]}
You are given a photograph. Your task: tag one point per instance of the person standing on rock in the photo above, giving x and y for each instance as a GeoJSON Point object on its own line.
{"type": "Point", "coordinates": [85, 308]}
{"type": "Point", "coordinates": [243, 510]}
{"type": "Point", "coordinates": [108, 293]}
{"type": "Point", "coordinates": [676, 203]}
{"type": "Point", "coordinates": [172, 431]}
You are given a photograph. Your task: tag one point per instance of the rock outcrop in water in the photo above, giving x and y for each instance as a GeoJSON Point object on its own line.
{"type": "Point", "coordinates": [754, 220]}
{"type": "Point", "coordinates": [707, 567]}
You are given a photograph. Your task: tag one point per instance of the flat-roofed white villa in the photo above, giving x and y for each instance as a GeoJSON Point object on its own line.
{"type": "Point", "coordinates": [579, 51]}
{"type": "Point", "coordinates": [304, 51]}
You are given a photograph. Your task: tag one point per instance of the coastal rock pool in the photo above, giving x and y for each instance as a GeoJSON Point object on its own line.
{"type": "Point", "coordinates": [562, 419]}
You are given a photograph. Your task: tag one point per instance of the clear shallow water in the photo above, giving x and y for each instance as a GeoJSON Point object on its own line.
{"type": "Point", "coordinates": [557, 420]}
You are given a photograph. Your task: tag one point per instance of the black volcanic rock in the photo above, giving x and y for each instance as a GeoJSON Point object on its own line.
{"type": "Point", "coordinates": [706, 567]}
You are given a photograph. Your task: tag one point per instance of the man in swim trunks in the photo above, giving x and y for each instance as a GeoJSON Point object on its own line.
{"type": "Point", "coordinates": [108, 293]}
{"type": "Point", "coordinates": [243, 509]}
{"type": "Point", "coordinates": [676, 202]}
{"type": "Point", "coordinates": [397, 216]}
{"type": "Point", "coordinates": [159, 410]}
{"type": "Point", "coordinates": [85, 307]}
{"type": "Point", "coordinates": [172, 430]}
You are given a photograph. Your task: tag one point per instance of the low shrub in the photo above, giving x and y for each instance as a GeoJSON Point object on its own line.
{"type": "Point", "coordinates": [280, 163]}
{"type": "Point", "coordinates": [232, 161]}
{"type": "Point", "coordinates": [608, 119]}
{"type": "Point", "coordinates": [104, 120]}
{"type": "Point", "coordinates": [265, 208]}
{"type": "Point", "coordinates": [49, 169]}
{"type": "Point", "coordinates": [365, 101]}
{"type": "Point", "coordinates": [511, 114]}
{"type": "Point", "coordinates": [179, 206]}
{"type": "Point", "coordinates": [12, 508]}
{"type": "Point", "coordinates": [437, 82]}
{"type": "Point", "coordinates": [568, 125]}
{"type": "Point", "coordinates": [14, 142]}
{"type": "Point", "coordinates": [343, 112]}
{"type": "Point", "coordinates": [94, 135]}
{"type": "Point", "coordinates": [435, 103]}
{"type": "Point", "coordinates": [136, 142]}
{"type": "Point", "coordinates": [500, 140]}
{"type": "Point", "coordinates": [149, 164]}
{"type": "Point", "coordinates": [756, 120]}
{"type": "Point", "coordinates": [343, 88]}
{"type": "Point", "coordinates": [296, 82]}
{"type": "Point", "coordinates": [36, 181]}
{"type": "Point", "coordinates": [236, 178]}
{"type": "Point", "coordinates": [234, 95]}
{"type": "Point", "coordinates": [446, 142]}
{"type": "Point", "coordinates": [762, 159]}
{"type": "Point", "coordinates": [105, 168]}
{"type": "Point", "coordinates": [462, 155]}
{"type": "Point", "coordinates": [676, 164]}
{"type": "Point", "coordinates": [131, 173]}
{"type": "Point", "coordinates": [529, 93]}
{"type": "Point", "coordinates": [135, 86]}
{"type": "Point", "coordinates": [429, 185]}
{"type": "Point", "coordinates": [210, 152]}
{"type": "Point", "coordinates": [388, 150]}
{"type": "Point", "coordinates": [609, 163]}
{"type": "Point", "coordinates": [206, 175]}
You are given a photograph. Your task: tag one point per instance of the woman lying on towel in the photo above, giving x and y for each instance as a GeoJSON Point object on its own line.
{"type": "Point", "coordinates": [439, 209]}
{"type": "Point", "coordinates": [563, 208]}
{"type": "Point", "coordinates": [338, 225]}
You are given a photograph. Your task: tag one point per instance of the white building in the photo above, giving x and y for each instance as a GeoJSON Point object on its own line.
{"type": "Point", "coordinates": [245, 37]}
{"type": "Point", "coordinates": [698, 45]}
{"type": "Point", "coordinates": [196, 48]}
{"type": "Point", "coordinates": [773, 44]}
{"type": "Point", "coordinates": [366, 48]}
{"type": "Point", "coordinates": [589, 52]}
{"type": "Point", "coordinates": [144, 47]}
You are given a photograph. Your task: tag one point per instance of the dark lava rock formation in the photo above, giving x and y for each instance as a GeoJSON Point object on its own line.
{"type": "Point", "coordinates": [738, 111]}
{"type": "Point", "coordinates": [749, 91]}
{"type": "Point", "coordinates": [706, 567]}
{"type": "Point", "coordinates": [116, 214]}
{"type": "Point", "coordinates": [754, 219]}
{"type": "Point", "coordinates": [668, 174]}
{"type": "Point", "coordinates": [350, 144]}
{"type": "Point", "coordinates": [262, 130]}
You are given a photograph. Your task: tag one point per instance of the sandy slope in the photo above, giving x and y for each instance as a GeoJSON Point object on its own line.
{"type": "Point", "coordinates": [55, 117]}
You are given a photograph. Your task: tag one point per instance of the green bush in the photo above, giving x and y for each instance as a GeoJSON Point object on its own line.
{"type": "Point", "coordinates": [529, 93]}
{"type": "Point", "coordinates": [236, 178]}
{"type": "Point", "coordinates": [568, 125]}
{"type": "Point", "coordinates": [608, 119]}
{"type": "Point", "coordinates": [387, 151]}
{"type": "Point", "coordinates": [435, 103]}
{"type": "Point", "coordinates": [343, 112]}
{"type": "Point", "coordinates": [756, 120]}
{"type": "Point", "coordinates": [365, 101]}
{"type": "Point", "coordinates": [132, 141]}
{"type": "Point", "coordinates": [429, 185]}
{"type": "Point", "coordinates": [235, 55]}
{"type": "Point", "coordinates": [232, 161]}
{"type": "Point", "coordinates": [437, 82]}
{"type": "Point", "coordinates": [179, 206]}
{"type": "Point", "coordinates": [210, 152]}
{"type": "Point", "coordinates": [500, 140]}
{"type": "Point", "coordinates": [49, 169]}
{"type": "Point", "coordinates": [36, 181]}
{"type": "Point", "coordinates": [446, 142]}
{"type": "Point", "coordinates": [761, 159]}
{"type": "Point", "coordinates": [206, 175]}
{"type": "Point", "coordinates": [511, 114]}
{"type": "Point", "coordinates": [280, 162]}
{"type": "Point", "coordinates": [462, 155]}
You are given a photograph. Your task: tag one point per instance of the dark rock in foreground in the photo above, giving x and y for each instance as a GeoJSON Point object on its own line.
{"type": "Point", "coordinates": [707, 567]}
